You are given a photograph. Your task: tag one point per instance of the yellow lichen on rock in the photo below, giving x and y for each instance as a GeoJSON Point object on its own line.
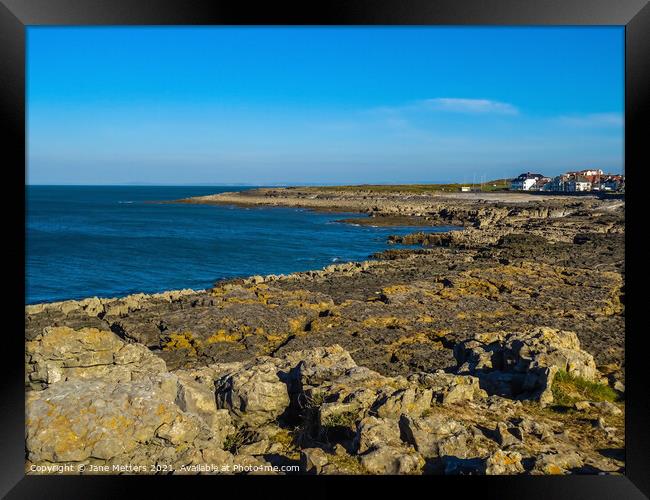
{"type": "Point", "coordinates": [384, 322]}
{"type": "Point", "coordinates": [184, 340]}
{"type": "Point", "coordinates": [222, 335]}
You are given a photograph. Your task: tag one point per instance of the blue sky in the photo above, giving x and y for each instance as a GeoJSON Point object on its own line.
{"type": "Point", "coordinates": [274, 105]}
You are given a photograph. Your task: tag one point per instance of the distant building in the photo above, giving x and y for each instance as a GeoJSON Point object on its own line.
{"type": "Point", "coordinates": [465, 189]}
{"type": "Point", "coordinates": [578, 183]}
{"type": "Point", "coordinates": [611, 183]}
{"type": "Point", "coordinates": [539, 185]}
{"type": "Point", "coordinates": [586, 180]}
{"type": "Point", "coordinates": [589, 175]}
{"type": "Point", "coordinates": [556, 184]}
{"type": "Point", "coordinates": [525, 182]}
{"type": "Point", "coordinates": [589, 172]}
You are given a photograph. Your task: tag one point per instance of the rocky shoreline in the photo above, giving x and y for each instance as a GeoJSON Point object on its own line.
{"type": "Point", "coordinates": [493, 350]}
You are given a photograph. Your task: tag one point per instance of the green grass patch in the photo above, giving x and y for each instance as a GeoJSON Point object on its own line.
{"type": "Point", "coordinates": [347, 464]}
{"type": "Point", "coordinates": [568, 389]}
{"type": "Point", "coordinates": [345, 419]}
{"type": "Point", "coordinates": [235, 441]}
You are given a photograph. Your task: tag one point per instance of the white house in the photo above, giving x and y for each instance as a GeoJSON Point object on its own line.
{"type": "Point", "coordinates": [578, 185]}
{"type": "Point", "coordinates": [590, 172]}
{"type": "Point", "coordinates": [525, 182]}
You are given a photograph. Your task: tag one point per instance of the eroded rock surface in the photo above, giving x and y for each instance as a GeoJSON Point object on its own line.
{"type": "Point", "coordinates": [441, 359]}
{"type": "Point", "coordinates": [314, 408]}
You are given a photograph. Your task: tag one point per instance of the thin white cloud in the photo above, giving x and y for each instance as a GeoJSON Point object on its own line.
{"type": "Point", "coordinates": [461, 105]}
{"type": "Point", "coordinates": [593, 120]}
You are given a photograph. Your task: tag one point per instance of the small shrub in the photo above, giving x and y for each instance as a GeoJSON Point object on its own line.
{"type": "Point", "coordinates": [347, 464]}
{"type": "Point", "coordinates": [234, 441]}
{"type": "Point", "coordinates": [568, 389]}
{"type": "Point", "coordinates": [345, 419]}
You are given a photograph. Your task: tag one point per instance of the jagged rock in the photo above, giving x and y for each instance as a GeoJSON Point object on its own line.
{"type": "Point", "coordinates": [551, 347]}
{"type": "Point", "coordinates": [529, 426]}
{"type": "Point", "coordinates": [427, 432]}
{"type": "Point", "coordinates": [321, 364]}
{"type": "Point", "coordinates": [521, 352]}
{"type": "Point", "coordinates": [199, 399]}
{"type": "Point", "coordinates": [254, 395]}
{"type": "Point", "coordinates": [392, 460]}
{"type": "Point", "coordinates": [256, 448]}
{"type": "Point", "coordinates": [504, 463]}
{"type": "Point", "coordinates": [180, 430]}
{"type": "Point", "coordinates": [524, 364]}
{"type": "Point", "coordinates": [449, 388]}
{"type": "Point", "coordinates": [61, 353]}
{"type": "Point", "coordinates": [599, 423]}
{"type": "Point", "coordinates": [455, 445]}
{"type": "Point", "coordinates": [183, 418]}
{"type": "Point", "coordinates": [374, 432]}
{"type": "Point", "coordinates": [606, 407]}
{"type": "Point", "coordinates": [78, 419]}
{"type": "Point", "coordinates": [557, 463]}
{"type": "Point", "coordinates": [411, 401]}
{"type": "Point", "coordinates": [504, 436]}
{"type": "Point", "coordinates": [312, 460]}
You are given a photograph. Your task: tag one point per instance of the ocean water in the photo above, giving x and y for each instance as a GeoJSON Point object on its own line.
{"type": "Point", "coordinates": [111, 241]}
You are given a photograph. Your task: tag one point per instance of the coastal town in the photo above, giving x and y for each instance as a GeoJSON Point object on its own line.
{"type": "Point", "coordinates": [583, 180]}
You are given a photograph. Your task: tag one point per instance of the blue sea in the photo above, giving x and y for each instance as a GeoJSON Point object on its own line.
{"type": "Point", "coordinates": [111, 241]}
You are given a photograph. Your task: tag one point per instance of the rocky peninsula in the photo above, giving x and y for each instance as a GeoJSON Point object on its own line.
{"type": "Point", "coordinates": [498, 349]}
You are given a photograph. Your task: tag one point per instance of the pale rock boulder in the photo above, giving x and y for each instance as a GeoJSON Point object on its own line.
{"type": "Point", "coordinates": [208, 375]}
{"type": "Point", "coordinates": [505, 435]}
{"type": "Point", "coordinates": [258, 447]}
{"type": "Point", "coordinates": [449, 388]}
{"type": "Point", "coordinates": [312, 460]}
{"type": "Point", "coordinates": [557, 463]}
{"type": "Point", "coordinates": [504, 463]}
{"type": "Point", "coordinates": [382, 451]}
{"type": "Point", "coordinates": [457, 445]}
{"type": "Point", "coordinates": [375, 432]}
{"type": "Point", "coordinates": [198, 399]}
{"type": "Point", "coordinates": [551, 347]}
{"type": "Point", "coordinates": [254, 395]}
{"type": "Point", "coordinates": [413, 400]}
{"type": "Point", "coordinates": [61, 353]}
{"type": "Point", "coordinates": [606, 407]}
{"type": "Point", "coordinates": [392, 460]}
{"type": "Point", "coordinates": [524, 364]}
{"type": "Point", "coordinates": [320, 364]}
{"type": "Point", "coordinates": [426, 433]}
{"type": "Point", "coordinates": [358, 389]}
{"type": "Point", "coordinates": [537, 429]}
{"type": "Point", "coordinates": [522, 351]}
{"type": "Point", "coordinates": [181, 430]}
{"type": "Point", "coordinates": [78, 419]}
{"type": "Point", "coordinates": [217, 456]}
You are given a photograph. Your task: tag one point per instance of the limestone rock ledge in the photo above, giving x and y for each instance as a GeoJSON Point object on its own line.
{"type": "Point", "coordinates": [94, 400]}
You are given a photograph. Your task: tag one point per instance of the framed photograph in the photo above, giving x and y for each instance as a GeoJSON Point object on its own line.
{"type": "Point", "coordinates": [365, 244]}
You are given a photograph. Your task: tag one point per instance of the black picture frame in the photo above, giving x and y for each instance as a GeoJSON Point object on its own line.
{"type": "Point", "coordinates": [16, 15]}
